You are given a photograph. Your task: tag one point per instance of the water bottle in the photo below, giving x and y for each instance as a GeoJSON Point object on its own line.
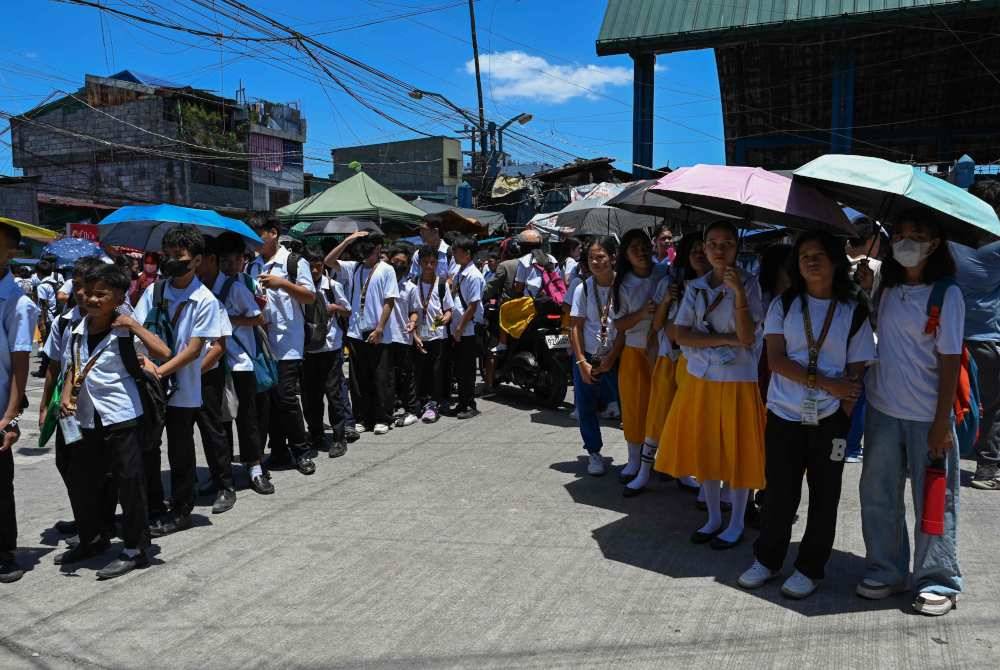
{"type": "Point", "coordinates": [935, 490]}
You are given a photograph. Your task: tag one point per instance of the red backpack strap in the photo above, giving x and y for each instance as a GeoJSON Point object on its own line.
{"type": "Point", "coordinates": [935, 303]}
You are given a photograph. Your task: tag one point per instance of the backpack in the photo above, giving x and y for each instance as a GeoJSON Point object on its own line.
{"type": "Point", "coordinates": [317, 321]}
{"type": "Point", "coordinates": [968, 404]}
{"type": "Point", "coordinates": [265, 368]}
{"type": "Point", "coordinates": [152, 392]}
{"type": "Point", "coordinates": [553, 284]}
{"type": "Point", "coordinates": [158, 320]}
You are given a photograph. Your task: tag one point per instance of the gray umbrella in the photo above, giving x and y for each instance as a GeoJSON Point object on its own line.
{"type": "Point", "coordinates": [602, 220]}
{"type": "Point", "coordinates": [341, 225]}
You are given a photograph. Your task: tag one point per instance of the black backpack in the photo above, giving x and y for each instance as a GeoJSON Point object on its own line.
{"type": "Point", "coordinates": [317, 320]}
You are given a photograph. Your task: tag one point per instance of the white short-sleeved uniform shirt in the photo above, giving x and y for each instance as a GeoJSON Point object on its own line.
{"type": "Point", "coordinates": [467, 286]}
{"type": "Point", "coordinates": [370, 287]}
{"type": "Point", "coordinates": [18, 316]}
{"type": "Point", "coordinates": [634, 293]}
{"type": "Point", "coordinates": [707, 362]}
{"type": "Point", "coordinates": [568, 268]}
{"type": "Point", "coordinates": [227, 334]}
{"type": "Point", "coordinates": [784, 396]}
{"type": "Point", "coordinates": [67, 287]}
{"type": "Point", "coordinates": [590, 300]}
{"type": "Point", "coordinates": [241, 347]}
{"type": "Point", "coordinates": [529, 275]}
{"type": "Point", "coordinates": [57, 343]}
{"type": "Point", "coordinates": [903, 381]}
{"type": "Point", "coordinates": [573, 279]}
{"type": "Point", "coordinates": [395, 329]}
{"type": "Point", "coordinates": [430, 302]}
{"type": "Point", "coordinates": [199, 317]}
{"type": "Point", "coordinates": [46, 292]}
{"type": "Point", "coordinates": [108, 390]}
{"type": "Point", "coordinates": [446, 266]}
{"type": "Point", "coordinates": [333, 294]}
{"type": "Point", "coordinates": [36, 280]}
{"type": "Point", "coordinates": [666, 345]}
{"type": "Point", "coordinates": [286, 323]}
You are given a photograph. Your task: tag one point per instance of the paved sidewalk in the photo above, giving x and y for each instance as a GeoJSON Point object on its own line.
{"type": "Point", "coordinates": [473, 544]}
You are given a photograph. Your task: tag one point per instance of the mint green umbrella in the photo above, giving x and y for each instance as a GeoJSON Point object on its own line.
{"type": "Point", "coordinates": [886, 190]}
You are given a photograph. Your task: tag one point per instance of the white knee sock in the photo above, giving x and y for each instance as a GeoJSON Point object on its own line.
{"type": "Point", "coordinates": [632, 467]}
{"type": "Point", "coordinates": [738, 497]}
{"type": "Point", "coordinates": [645, 465]}
{"type": "Point", "coordinates": [256, 471]}
{"type": "Point", "coordinates": [711, 490]}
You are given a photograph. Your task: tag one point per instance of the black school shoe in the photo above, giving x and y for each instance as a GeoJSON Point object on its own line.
{"type": "Point", "coordinates": [468, 413]}
{"type": "Point", "coordinates": [351, 435]}
{"type": "Point", "coordinates": [699, 537]}
{"type": "Point", "coordinates": [262, 484]}
{"type": "Point", "coordinates": [719, 544]}
{"type": "Point", "coordinates": [10, 570]}
{"type": "Point", "coordinates": [305, 465]}
{"type": "Point", "coordinates": [337, 449]}
{"type": "Point", "coordinates": [123, 565]}
{"type": "Point", "coordinates": [224, 501]}
{"type": "Point", "coordinates": [81, 552]}
{"type": "Point", "coordinates": [169, 524]}
{"type": "Point", "coordinates": [65, 527]}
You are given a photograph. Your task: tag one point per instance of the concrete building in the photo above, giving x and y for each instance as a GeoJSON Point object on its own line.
{"type": "Point", "coordinates": [19, 199]}
{"type": "Point", "coordinates": [135, 138]}
{"type": "Point", "coordinates": [429, 167]}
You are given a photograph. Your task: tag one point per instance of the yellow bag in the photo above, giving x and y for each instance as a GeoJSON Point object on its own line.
{"type": "Point", "coordinates": [515, 315]}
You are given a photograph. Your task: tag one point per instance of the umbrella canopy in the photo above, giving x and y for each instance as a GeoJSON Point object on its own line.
{"type": "Point", "coordinates": [755, 196]}
{"type": "Point", "coordinates": [36, 233]}
{"type": "Point", "coordinates": [342, 225]}
{"type": "Point", "coordinates": [360, 196]}
{"type": "Point", "coordinates": [459, 219]}
{"type": "Point", "coordinates": [885, 190]}
{"type": "Point", "coordinates": [299, 229]}
{"type": "Point", "coordinates": [69, 250]}
{"type": "Point", "coordinates": [593, 218]}
{"type": "Point", "coordinates": [143, 226]}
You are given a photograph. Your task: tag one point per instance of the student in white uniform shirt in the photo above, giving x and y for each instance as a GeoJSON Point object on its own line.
{"type": "Point", "coordinates": [100, 398]}
{"type": "Point", "coordinates": [810, 399]}
{"type": "Point", "coordinates": [323, 375]}
{"type": "Point", "coordinates": [348, 392]}
{"type": "Point", "coordinates": [373, 294]}
{"type": "Point", "coordinates": [232, 290]}
{"type": "Point", "coordinates": [45, 293]}
{"type": "Point", "coordinates": [194, 311]}
{"type": "Point", "coordinates": [529, 277]}
{"type": "Point", "coordinates": [288, 288]}
{"type": "Point", "coordinates": [431, 308]}
{"type": "Point", "coordinates": [401, 338]}
{"type": "Point", "coordinates": [18, 315]}
{"type": "Point", "coordinates": [467, 288]}
{"type": "Point", "coordinates": [430, 234]}
{"type": "Point", "coordinates": [910, 423]}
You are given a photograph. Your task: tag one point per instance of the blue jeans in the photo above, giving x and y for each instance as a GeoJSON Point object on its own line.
{"type": "Point", "coordinates": [895, 448]}
{"type": "Point", "coordinates": [586, 397]}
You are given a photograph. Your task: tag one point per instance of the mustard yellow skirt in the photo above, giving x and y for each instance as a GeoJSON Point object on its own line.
{"type": "Point", "coordinates": [633, 391]}
{"type": "Point", "coordinates": [662, 388]}
{"type": "Point", "coordinates": [715, 431]}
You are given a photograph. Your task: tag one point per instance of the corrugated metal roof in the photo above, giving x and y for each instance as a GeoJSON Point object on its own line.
{"type": "Point", "coordinates": [674, 25]}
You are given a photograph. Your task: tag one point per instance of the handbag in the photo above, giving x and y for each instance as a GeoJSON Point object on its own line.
{"type": "Point", "coordinates": [52, 414]}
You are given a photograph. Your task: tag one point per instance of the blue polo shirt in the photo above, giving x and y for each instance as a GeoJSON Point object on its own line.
{"type": "Point", "coordinates": [978, 275]}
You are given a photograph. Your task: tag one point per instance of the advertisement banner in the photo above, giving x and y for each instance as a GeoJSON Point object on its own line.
{"type": "Point", "coordinates": [85, 231]}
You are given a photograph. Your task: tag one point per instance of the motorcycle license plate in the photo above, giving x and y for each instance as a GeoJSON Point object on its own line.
{"type": "Point", "coordinates": [557, 341]}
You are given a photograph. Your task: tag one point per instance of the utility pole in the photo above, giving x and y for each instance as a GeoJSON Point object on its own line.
{"type": "Point", "coordinates": [479, 85]}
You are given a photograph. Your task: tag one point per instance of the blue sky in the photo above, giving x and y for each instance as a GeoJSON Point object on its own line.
{"type": "Point", "coordinates": [538, 56]}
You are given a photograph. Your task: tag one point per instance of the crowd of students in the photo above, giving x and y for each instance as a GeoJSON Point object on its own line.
{"type": "Point", "coordinates": [218, 337]}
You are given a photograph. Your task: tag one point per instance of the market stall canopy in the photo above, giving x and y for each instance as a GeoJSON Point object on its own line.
{"type": "Point", "coordinates": [342, 225]}
{"type": "Point", "coordinates": [885, 190]}
{"type": "Point", "coordinates": [359, 197]}
{"type": "Point", "coordinates": [460, 219]}
{"type": "Point", "coordinates": [755, 197]}
{"type": "Point", "coordinates": [143, 226]}
{"type": "Point", "coordinates": [36, 233]}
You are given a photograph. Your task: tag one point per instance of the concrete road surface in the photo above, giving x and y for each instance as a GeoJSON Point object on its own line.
{"type": "Point", "coordinates": [474, 544]}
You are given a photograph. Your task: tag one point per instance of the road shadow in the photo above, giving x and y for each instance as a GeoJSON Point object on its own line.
{"type": "Point", "coordinates": [29, 557]}
{"type": "Point", "coordinates": [654, 535]}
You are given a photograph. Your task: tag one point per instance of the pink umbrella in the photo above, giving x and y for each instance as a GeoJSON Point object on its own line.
{"type": "Point", "coordinates": [755, 197]}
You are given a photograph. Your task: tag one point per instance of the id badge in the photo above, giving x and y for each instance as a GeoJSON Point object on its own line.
{"type": "Point", "coordinates": [70, 426]}
{"type": "Point", "coordinates": [810, 411]}
{"type": "Point", "coordinates": [425, 330]}
{"type": "Point", "coordinates": [726, 356]}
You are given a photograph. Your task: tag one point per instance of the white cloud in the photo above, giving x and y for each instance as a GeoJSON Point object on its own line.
{"type": "Point", "coordinates": [515, 74]}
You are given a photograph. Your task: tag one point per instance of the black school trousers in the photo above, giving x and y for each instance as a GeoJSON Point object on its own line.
{"type": "Point", "coordinates": [8, 511]}
{"type": "Point", "coordinates": [181, 456]}
{"type": "Point", "coordinates": [401, 360]}
{"type": "Point", "coordinates": [208, 418]}
{"type": "Point", "coordinates": [464, 354]}
{"type": "Point", "coordinates": [323, 377]}
{"type": "Point", "coordinates": [794, 450]}
{"type": "Point", "coordinates": [116, 449]}
{"type": "Point", "coordinates": [248, 427]}
{"type": "Point", "coordinates": [428, 373]}
{"type": "Point", "coordinates": [370, 365]}
{"type": "Point", "coordinates": [281, 413]}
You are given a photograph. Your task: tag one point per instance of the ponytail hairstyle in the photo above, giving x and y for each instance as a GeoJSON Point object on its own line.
{"type": "Point", "coordinates": [623, 265]}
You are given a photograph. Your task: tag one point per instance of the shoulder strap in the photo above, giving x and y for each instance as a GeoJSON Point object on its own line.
{"type": "Point", "coordinates": [442, 287]}
{"type": "Point", "coordinates": [292, 267]}
{"type": "Point", "coordinates": [226, 288]}
{"type": "Point", "coordinates": [126, 349]}
{"type": "Point", "coordinates": [861, 314]}
{"type": "Point", "coordinates": [935, 303]}
{"type": "Point", "coordinates": [159, 288]}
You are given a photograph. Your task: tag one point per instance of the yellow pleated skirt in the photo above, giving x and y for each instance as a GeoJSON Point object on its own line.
{"type": "Point", "coordinates": [662, 388]}
{"type": "Point", "coordinates": [633, 391]}
{"type": "Point", "coordinates": [715, 431]}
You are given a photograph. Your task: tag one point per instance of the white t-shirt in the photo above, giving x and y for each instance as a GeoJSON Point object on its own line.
{"type": "Point", "coordinates": [395, 330]}
{"type": "Point", "coordinates": [18, 316]}
{"type": "Point", "coordinates": [586, 297]}
{"type": "Point", "coordinates": [286, 325]}
{"type": "Point", "coordinates": [108, 389]}
{"type": "Point", "coordinates": [903, 382]}
{"type": "Point", "coordinates": [709, 362]}
{"type": "Point", "coordinates": [377, 284]}
{"type": "Point", "coordinates": [430, 302]}
{"type": "Point", "coordinates": [634, 293]}
{"type": "Point", "coordinates": [467, 285]}
{"type": "Point", "coordinates": [784, 396]}
{"type": "Point", "coordinates": [239, 302]}
{"type": "Point", "coordinates": [529, 275]}
{"type": "Point", "coordinates": [333, 294]}
{"type": "Point", "coordinates": [199, 317]}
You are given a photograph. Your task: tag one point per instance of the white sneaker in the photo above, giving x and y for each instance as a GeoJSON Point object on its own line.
{"type": "Point", "coordinates": [381, 429]}
{"type": "Point", "coordinates": [359, 427]}
{"type": "Point", "coordinates": [756, 576]}
{"type": "Point", "coordinates": [595, 466]}
{"type": "Point", "coordinates": [612, 411]}
{"type": "Point", "coordinates": [874, 590]}
{"type": "Point", "coordinates": [410, 419]}
{"type": "Point", "coordinates": [798, 586]}
{"type": "Point", "coordinates": [934, 604]}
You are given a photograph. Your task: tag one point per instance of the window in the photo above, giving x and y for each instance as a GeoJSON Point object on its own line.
{"type": "Point", "coordinates": [453, 168]}
{"type": "Point", "coordinates": [278, 198]}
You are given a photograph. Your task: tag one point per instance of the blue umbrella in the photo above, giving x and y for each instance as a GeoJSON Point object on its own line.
{"type": "Point", "coordinates": [68, 250]}
{"type": "Point", "coordinates": [143, 226]}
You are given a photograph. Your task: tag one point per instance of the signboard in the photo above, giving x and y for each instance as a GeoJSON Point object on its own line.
{"type": "Point", "coordinates": [85, 231]}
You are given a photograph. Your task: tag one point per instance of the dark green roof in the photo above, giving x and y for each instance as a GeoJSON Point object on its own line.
{"type": "Point", "coordinates": [675, 25]}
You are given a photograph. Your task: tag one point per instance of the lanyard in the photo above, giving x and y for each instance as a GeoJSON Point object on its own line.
{"type": "Point", "coordinates": [364, 287]}
{"type": "Point", "coordinates": [426, 302]}
{"type": "Point", "coordinates": [709, 308]}
{"type": "Point", "coordinates": [814, 344]}
{"type": "Point", "coordinates": [80, 375]}
{"type": "Point", "coordinates": [602, 314]}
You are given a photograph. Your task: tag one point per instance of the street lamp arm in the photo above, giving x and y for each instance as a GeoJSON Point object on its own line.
{"type": "Point", "coordinates": [418, 94]}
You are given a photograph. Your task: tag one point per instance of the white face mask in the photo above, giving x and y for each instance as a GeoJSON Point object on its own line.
{"type": "Point", "coordinates": [909, 253]}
